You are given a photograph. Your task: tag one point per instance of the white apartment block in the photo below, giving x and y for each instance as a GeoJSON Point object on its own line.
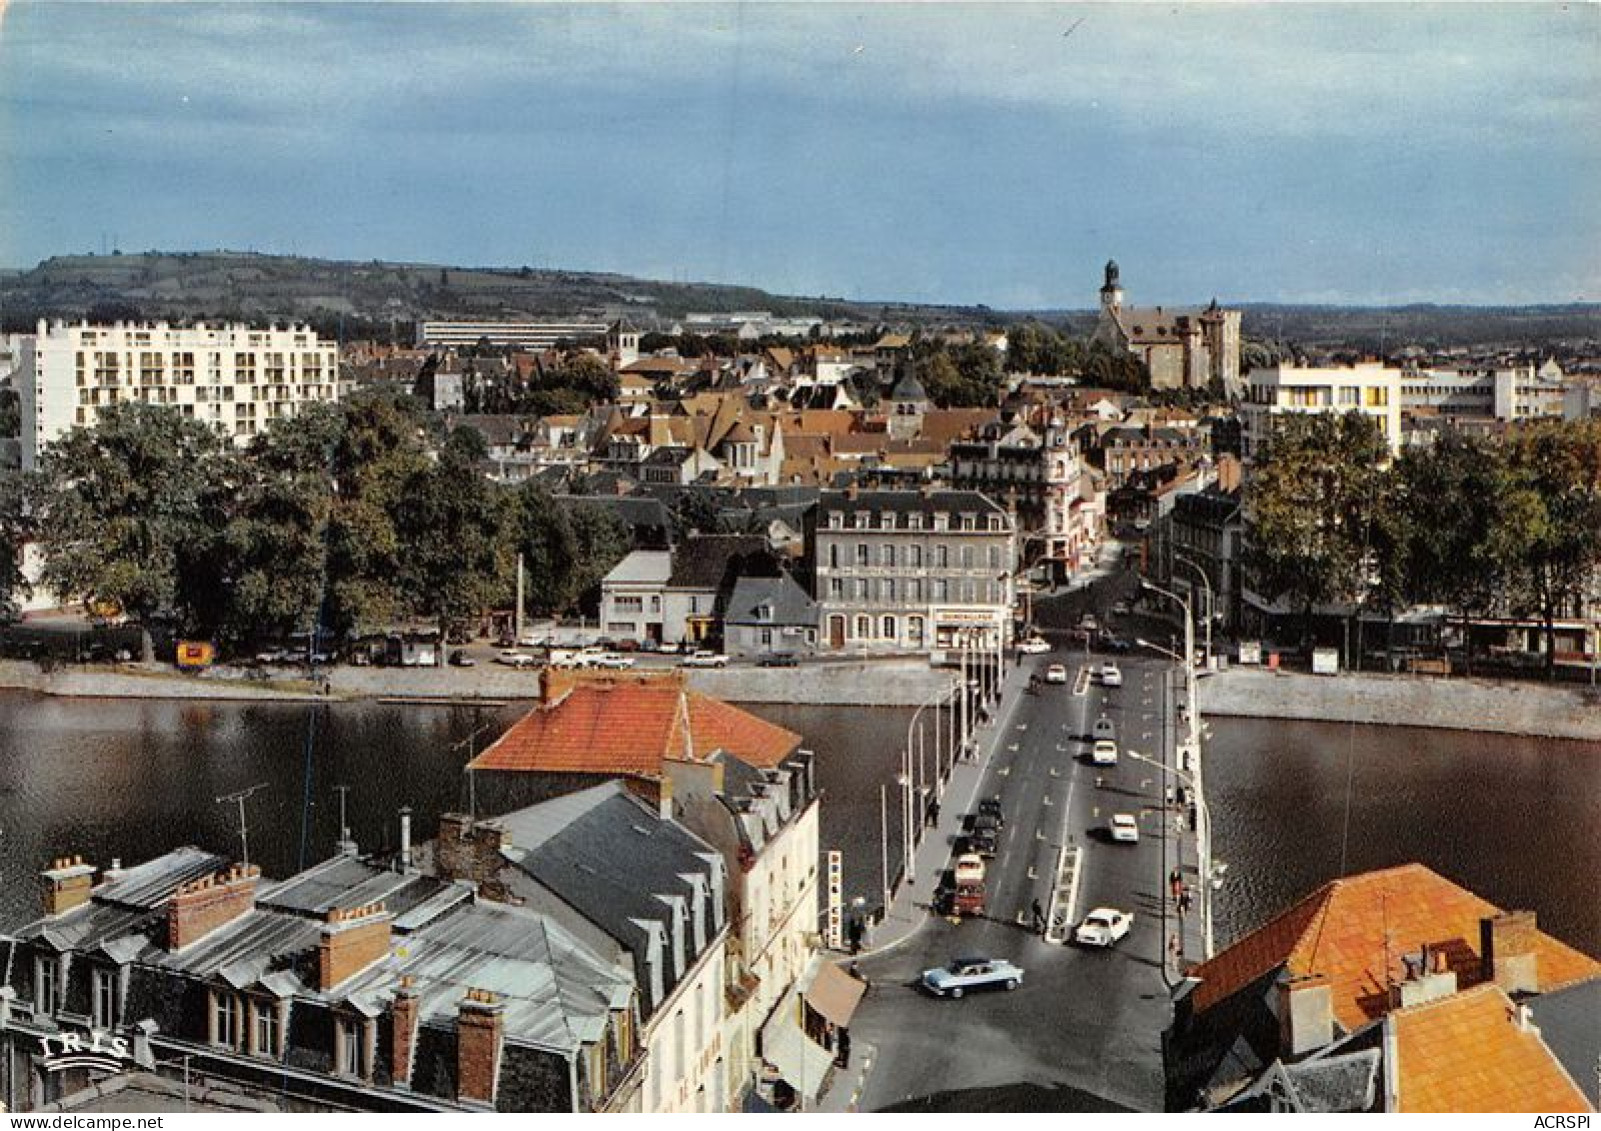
{"type": "Point", "coordinates": [537, 334]}
{"type": "Point", "coordinates": [235, 377]}
{"type": "Point", "coordinates": [1369, 387]}
{"type": "Point", "coordinates": [1521, 392]}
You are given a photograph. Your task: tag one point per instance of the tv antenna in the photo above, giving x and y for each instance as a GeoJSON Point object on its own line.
{"type": "Point", "coordinates": [240, 798]}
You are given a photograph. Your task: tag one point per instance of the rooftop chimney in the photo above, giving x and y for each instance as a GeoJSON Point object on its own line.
{"type": "Point", "coordinates": [67, 884]}
{"type": "Point", "coordinates": [403, 1014]}
{"type": "Point", "coordinates": [352, 940]}
{"type": "Point", "coordinates": [1429, 977]}
{"type": "Point", "coordinates": [1306, 1014]}
{"type": "Point", "coordinates": [480, 1025]}
{"type": "Point", "coordinates": [201, 906]}
{"type": "Point", "coordinates": [1506, 951]}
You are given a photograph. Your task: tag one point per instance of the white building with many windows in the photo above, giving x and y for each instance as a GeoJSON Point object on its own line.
{"type": "Point", "coordinates": [236, 377]}
{"type": "Point", "coordinates": [1370, 388]}
{"type": "Point", "coordinates": [912, 571]}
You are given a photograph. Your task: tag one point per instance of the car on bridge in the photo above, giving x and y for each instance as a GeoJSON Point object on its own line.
{"type": "Point", "coordinates": [1124, 828]}
{"type": "Point", "coordinates": [969, 869]}
{"type": "Point", "coordinates": [1056, 673]}
{"type": "Point", "coordinates": [1104, 752]}
{"type": "Point", "coordinates": [1104, 728]}
{"type": "Point", "coordinates": [963, 974]}
{"type": "Point", "coordinates": [1104, 926]}
{"type": "Point", "coordinates": [1111, 676]}
{"type": "Point", "coordinates": [991, 807]}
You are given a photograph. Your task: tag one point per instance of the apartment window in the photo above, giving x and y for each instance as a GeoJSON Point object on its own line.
{"type": "Point", "coordinates": [833, 555]}
{"type": "Point", "coordinates": [941, 521]}
{"type": "Point", "coordinates": [267, 1030]}
{"type": "Point", "coordinates": [836, 588]}
{"type": "Point", "coordinates": [967, 557]}
{"type": "Point", "coordinates": [914, 557]}
{"type": "Point", "coordinates": [914, 631]}
{"type": "Point", "coordinates": [656, 604]}
{"type": "Point", "coordinates": [995, 557]}
{"type": "Point", "coordinates": [596, 1063]}
{"type": "Point", "coordinates": [629, 604]}
{"type": "Point", "coordinates": [863, 552]}
{"type": "Point", "coordinates": [46, 986]}
{"type": "Point", "coordinates": [347, 1047]}
{"type": "Point", "coordinates": [889, 590]}
{"type": "Point", "coordinates": [861, 589]}
{"type": "Point", "coordinates": [1377, 396]}
{"type": "Point", "coordinates": [914, 590]}
{"type": "Point", "coordinates": [103, 998]}
{"type": "Point", "coordinates": [1349, 396]}
{"type": "Point", "coordinates": [942, 589]}
{"type": "Point", "coordinates": [767, 637]}
{"type": "Point", "coordinates": [967, 592]}
{"type": "Point", "coordinates": [889, 628]}
{"type": "Point", "coordinates": [226, 1023]}
{"type": "Point", "coordinates": [942, 557]}
{"type": "Point", "coordinates": [864, 627]}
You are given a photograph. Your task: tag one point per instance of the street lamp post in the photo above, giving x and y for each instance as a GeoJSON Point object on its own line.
{"type": "Point", "coordinates": [1211, 608]}
{"type": "Point", "coordinates": [1203, 843]}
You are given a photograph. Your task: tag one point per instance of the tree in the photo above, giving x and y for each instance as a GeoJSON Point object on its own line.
{"type": "Point", "coordinates": [1552, 520]}
{"type": "Point", "coordinates": [276, 540]}
{"type": "Point", "coordinates": [567, 548]}
{"type": "Point", "coordinates": [449, 526]}
{"type": "Point", "coordinates": [128, 508]}
{"type": "Point", "coordinates": [16, 527]}
{"type": "Point", "coordinates": [1312, 506]}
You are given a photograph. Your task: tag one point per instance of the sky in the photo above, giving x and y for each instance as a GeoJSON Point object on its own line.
{"type": "Point", "coordinates": [999, 154]}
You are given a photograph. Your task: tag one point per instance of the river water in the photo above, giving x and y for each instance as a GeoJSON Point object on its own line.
{"type": "Point", "coordinates": [1517, 820]}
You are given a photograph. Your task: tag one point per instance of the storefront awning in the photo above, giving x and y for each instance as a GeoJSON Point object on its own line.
{"type": "Point", "coordinates": [800, 1061]}
{"type": "Point", "coordinates": [835, 995]}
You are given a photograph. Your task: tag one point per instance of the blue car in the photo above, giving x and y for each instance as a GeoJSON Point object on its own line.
{"type": "Point", "coordinates": [965, 974]}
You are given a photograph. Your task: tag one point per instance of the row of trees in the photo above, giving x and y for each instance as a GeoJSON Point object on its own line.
{"type": "Point", "coordinates": [1481, 526]}
{"type": "Point", "coordinates": [348, 516]}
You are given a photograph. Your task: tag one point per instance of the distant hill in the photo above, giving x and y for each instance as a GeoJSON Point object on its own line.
{"type": "Point", "coordinates": [374, 297]}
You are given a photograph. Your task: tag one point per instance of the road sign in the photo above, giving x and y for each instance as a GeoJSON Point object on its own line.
{"type": "Point", "coordinates": [836, 899]}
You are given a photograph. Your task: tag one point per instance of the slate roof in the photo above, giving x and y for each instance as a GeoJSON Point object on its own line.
{"type": "Point", "coordinates": [907, 502]}
{"type": "Point", "coordinates": [628, 725]}
{"type": "Point", "coordinates": [714, 561]}
{"type": "Point", "coordinates": [641, 567]}
{"type": "Point", "coordinates": [1468, 1053]}
{"type": "Point", "coordinates": [790, 604]}
{"type": "Point", "coordinates": [1569, 1020]}
{"type": "Point", "coordinates": [1346, 928]}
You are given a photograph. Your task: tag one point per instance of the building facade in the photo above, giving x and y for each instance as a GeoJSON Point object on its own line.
{"type": "Point", "coordinates": [533, 334]}
{"type": "Point", "coordinates": [1371, 388]}
{"type": "Point", "coordinates": [237, 378]}
{"type": "Point", "coordinates": [1182, 348]}
{"type": "Point", "coordinates": [912, 571]}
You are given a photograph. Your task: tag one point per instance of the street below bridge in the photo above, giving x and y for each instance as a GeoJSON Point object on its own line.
{"type": "Point", "coordinates": [1083, 1030]}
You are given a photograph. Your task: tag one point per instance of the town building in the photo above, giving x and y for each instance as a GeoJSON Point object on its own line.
{"type": "Point", "coordinates": [1371, 388]}
{"type": "Point", "coordinates": [237, 378]}
{"type": "Point", "coordinates": [1181, 348]}
{"type": "Point", "coordinates": [530, 334]}
{"type": "Point", "coordinates": [926, 571]}
{"type": "Point", "coordinates": [1505, 393]}
{"type": "Point", "coordinates": [1390, 991]}
{"type": "Point", "coordinates": [351, 986]}
{"type": "Point", "coordinates": [677, 596]}
{"type": "Point", "coordinates": [769, 616]}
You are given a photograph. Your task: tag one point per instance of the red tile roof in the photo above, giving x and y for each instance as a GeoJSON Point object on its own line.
{"type": "Point", "coordinates": [1467, 1053]}
{"type": "Point", "coordinates": [628, 725]}
{"type": "Point", "coordinates": [1347, 928]}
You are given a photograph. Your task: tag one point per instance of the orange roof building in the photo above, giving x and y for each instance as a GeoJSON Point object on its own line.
{"type": "Point", "coordinates": [1475, 1052]}
{"type": "Point", "coordinates": [629, 725]}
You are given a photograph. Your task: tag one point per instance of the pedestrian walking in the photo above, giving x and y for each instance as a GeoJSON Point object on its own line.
{"type": "Point", "coordinates": [1039, 917]}
{"type": "Point", "coordinates": [843, 1045]}
{"type": "Point", "coordinates": [1175, 883]}
{"type": "Point", "coordinates": [1186, 901]}
{"type": "Point", "coordinates": [933, 813]}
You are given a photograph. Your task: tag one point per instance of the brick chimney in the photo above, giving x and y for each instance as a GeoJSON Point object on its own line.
{"type": "Point", "coordinates": [403, 1013]}
{"type": "Point", "coordinates": [1428, 977]}
{"type": "Point", "coordinates": [1306, 1014]}
{"type": "Point", "coordinates": [67, 884]}
{"type": "Point", "coordinates": [480, 1026]}
{"type": "Point", "coordinates": [201, 906]}
{"type": "Point", "coordinates": [352, 940]}
{"type": "Point", "coordinates": [469, 850]}
{"type": "Point", "coordinates": [1506, 951]}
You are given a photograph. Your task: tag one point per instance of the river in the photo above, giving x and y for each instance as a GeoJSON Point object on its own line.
{"type": "Point", "coordinates": [1516, 820]}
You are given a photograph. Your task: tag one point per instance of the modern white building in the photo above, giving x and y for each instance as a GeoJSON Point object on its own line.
{"type": "Point", "coordinates": [1370, 388]}
{"type": "Point", "coordinates": [236, 377]}
{"type": "Point", "coordinates": [535, 334]}
{"type": "Point", "coordinates": [1520, 392]}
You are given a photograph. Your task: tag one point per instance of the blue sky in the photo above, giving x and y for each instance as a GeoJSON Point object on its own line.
{"type": "Point", "coordinates": [997, 154]}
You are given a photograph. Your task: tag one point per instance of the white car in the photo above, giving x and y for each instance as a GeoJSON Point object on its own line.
{"type": "Point", "coordinates": [1111, 676]}
{"type": "Point", "coordinates": [513, 659]}
{"type": "Point", "coordinates": [969, 868]}
{"type": "Point", "coordinates": [1103, 927]}
{"type": "Point", "coordinates": [706, 660]}
{"type": "Point", "coordinates": [1124, 828]}
{"type": "Point", "coordinates": [1104, 753]}
{"type": "Point", "coordinates": [1056, 673]}
{"type": "Point", "coordinates": [1034, 646]}
{"type": "Point", "coordinates": [613, 660]}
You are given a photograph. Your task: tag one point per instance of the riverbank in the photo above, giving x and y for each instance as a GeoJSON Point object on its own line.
{"type": "Point", "coordinates": [885, 683]}
{"type": "Point", "coordinates": [1532, 710]}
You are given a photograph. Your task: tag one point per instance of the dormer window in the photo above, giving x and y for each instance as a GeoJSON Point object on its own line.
{"type": "Point", "coordinates": [836, 520]}
{"type": "Point", "coordinates": [941, 520]}
{"type": "Point", "coordinates": [764, 612]}
{"type": "Point", "coordinates": [914, 521]}
{"type": "Point", "coordinates": [103, 997]}
{"type": "Point", "coordinates": [46, 986]}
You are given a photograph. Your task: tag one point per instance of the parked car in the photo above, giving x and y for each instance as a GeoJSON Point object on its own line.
{"type": "Point", "coordinates": [514, 659]}
{"type": "Point", "coordinates": [1056, 673]}
{"type": "Point", "coordinates": [1088, 623]}
{"type": "Point", "coordinates": [966, 900]}
{"type": "Point", "coordinates": [1111, 675]}
{"type": "Point", "coordinates": [1034, 646]}
{"type": "Point", "coordinates": [614, 661]}
{"type": "Point", "coordinates": [1104, 728]}
{"type": "Point", "coordinates": [460, 659]}
{"type": "Point", "coordinates": [1104, 753]}
{"type": "Point", "coordinates": [706, 660]}
{"type": "Point", "coordinates": [778, 660]}
{"type": "Point", "coordinates": [1103, 927]}
{"type": "Point", "coordinates": [1124, 828]}
{"type": "Point", "coordinates": [965, 974]}
{"type": "Point", "coordinates": [969, 869]}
